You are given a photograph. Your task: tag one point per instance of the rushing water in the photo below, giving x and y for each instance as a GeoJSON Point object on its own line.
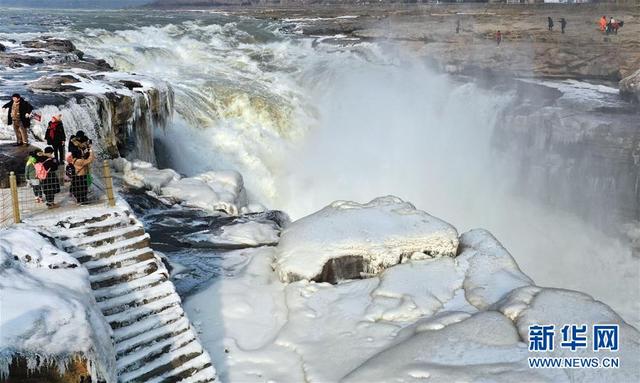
{"type": "Point", "coordinates": [308, 121]}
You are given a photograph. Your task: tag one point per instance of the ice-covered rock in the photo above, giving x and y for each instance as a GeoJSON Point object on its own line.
{"type": "Point", "coordinates": [213, 191]}
{"type": "Point", "coordinates": [440, 319]}
{"type": "Point", "coordinates": [49, 314]}
{"type": "Point", "coordinates": [140, 174]}
{"type": "Point", "coordinates": [347, 240]}
{"type": "Point", "coordinates": [491, 270]}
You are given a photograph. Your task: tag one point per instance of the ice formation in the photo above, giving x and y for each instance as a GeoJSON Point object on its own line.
{"type": "Point", "coordinates": [367, 237]}
{"type": "Point", "coordinates": [448, 318]}
{"type": "Point", "coordinates": [211, 191]}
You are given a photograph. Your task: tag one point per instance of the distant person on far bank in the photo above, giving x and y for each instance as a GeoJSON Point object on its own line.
{"type": "Point", "coordinates": [498, 37]}
{"type": "Point", "coordinates": [563, 24]}
{"type": "Point", "coordinates": [550, 23]}
{"type": "Point", "coordinates": [56, 136]}
{"type": "Point", "coordinates": [458, 26]}
{"type": "Point", "coordinates": [603, 23]}
{"type": "Point", "coordinates": [19, 115]}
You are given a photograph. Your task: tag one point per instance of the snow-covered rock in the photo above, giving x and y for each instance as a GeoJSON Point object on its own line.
{"type": "Point", "coordinates": [439, 319]}
{"type": "Point", "coordinates": [140, 174]}
{"type": "Point", "coordinates": [48, 313]}
{"type": "Point", "coordinates": [211, 191]}
{"type": "Point", "coordinates": [347, 239]}
{"type": "Point", "coordinates": [491, 270]}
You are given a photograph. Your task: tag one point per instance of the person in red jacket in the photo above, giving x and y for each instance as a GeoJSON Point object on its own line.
{"type": "Point", "coordinates": [56, 137]}
{"type": "Point", "coordinates": [498, 37]}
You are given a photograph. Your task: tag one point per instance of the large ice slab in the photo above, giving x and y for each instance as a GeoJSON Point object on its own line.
{"type": "Point", "coordinates": [347, 239]}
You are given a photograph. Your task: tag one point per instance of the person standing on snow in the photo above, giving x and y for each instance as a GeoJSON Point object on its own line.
{"type": "Point", "coordinates": [550, 23]}
{"type": "Point", "coordinates": [563, 24]}
{"type": "Point", "coordinates": [56, 137]}
{"type": "Point", "coordinates": [19, 115]}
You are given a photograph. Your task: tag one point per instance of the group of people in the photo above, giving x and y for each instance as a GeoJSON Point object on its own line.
{"type": "Point", "coordinates": [41, 169]}
{"type": "Point", "coordinates": [562, 21]}
{"type": "Point", "coordinates": [610, 26]}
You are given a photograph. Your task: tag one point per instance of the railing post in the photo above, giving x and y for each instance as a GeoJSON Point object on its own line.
{"type": "Point", "coordinates": [108, 182]}
{"type": "Point", "coordinates": [13, 184]}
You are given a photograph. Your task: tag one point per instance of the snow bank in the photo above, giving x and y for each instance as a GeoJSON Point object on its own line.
{"type": "Point", "coordinates": [346, 239]}
{"type": "Point", "coordinates": [491, 270]}
{"type": "Point", "coordinates": [210, 191]}
{"type": "Point", "coordinates": [443, 319]}
{"type": "Point", "coordinates": [48, 311]}
{"type": "Point", "coordinates": [545, 306]}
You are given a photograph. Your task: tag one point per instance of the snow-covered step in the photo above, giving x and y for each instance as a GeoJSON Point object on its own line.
{"type": "Point", "coordinates": [153, 338]}
{"type": "Point", "coordinates": [71, 222]}
{"type": "Point", "coordinates": [123, 274]}
{"type": "Point", "coordinates": [108, 224]}
{"type": "Point", "coordinates": [154, 335]}
{"type": "Point", "coordinates": [136, 298]}
{"type": "Point", "coordinates": [170, 315]}
{"type": "Point", "coordinates": [134, 360]}
{"type": "Point", "coordinates": [120, 260]}
{"type": "Point", "coordinates": [196, 370]}
{"type": "Point", "coordinates": [136, 313]}
{"type": "Point", "coordinates": [162, 365]}
{"type": "Point", "coordinates": [88, 253]}
{"type": "Point", "coordinates": [105, 238]}
{"type": "Point", "coordinates": [146, 282]}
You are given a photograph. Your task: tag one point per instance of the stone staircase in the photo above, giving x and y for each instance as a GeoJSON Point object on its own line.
{"type": "Point", "coordinates": [153, 338]}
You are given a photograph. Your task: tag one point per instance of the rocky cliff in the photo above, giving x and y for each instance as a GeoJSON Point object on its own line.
{"type": "Point", "coordinates": [119, 111]}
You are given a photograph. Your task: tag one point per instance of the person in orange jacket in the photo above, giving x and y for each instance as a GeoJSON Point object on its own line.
{"type": "Point", "coordinates": [603, 23]}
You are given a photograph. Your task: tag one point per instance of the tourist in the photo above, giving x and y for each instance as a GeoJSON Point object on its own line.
{"type": "Point", "coordinates": [550, 22]}
{"type": "Point", "coordinates": [498, 37]}
{"type": "Point", "coordinates": [18, 115]}
{"type": "Point", "coordinates": [50, 184]}
{"type": "Point", "coordinates": [78, 144]}
{"type": "Point", "coordinates": [563, 24]}
{"type": "Point", "coordinates": [80, 180]}
{"type": "Point", "coordinates": [458, 26]}
{"type": "Point", "coordinates": [603, 23]}
{"type": "Point", "coordinates": [30, 175]}
{"type": "Point", "coordinates": [56, 137]}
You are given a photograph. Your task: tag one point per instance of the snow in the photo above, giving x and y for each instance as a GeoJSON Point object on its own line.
{"type": "Point", "coordinates": [384, 232]}
{"type": "Point", "coordinates": [491, 269]}
{"type": "Point", "coordinates": [211, 191]}
{"type": "Point", "coordinates": [141, 174]}
{"type": "Point", "coordinates": [445, 319]}
{"type": "Point", "coordinates": [249, 233]}
{"type": "Point", "coordinates": [537, 305]}
{"type": "Point", "coordinates": [47, 306]}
